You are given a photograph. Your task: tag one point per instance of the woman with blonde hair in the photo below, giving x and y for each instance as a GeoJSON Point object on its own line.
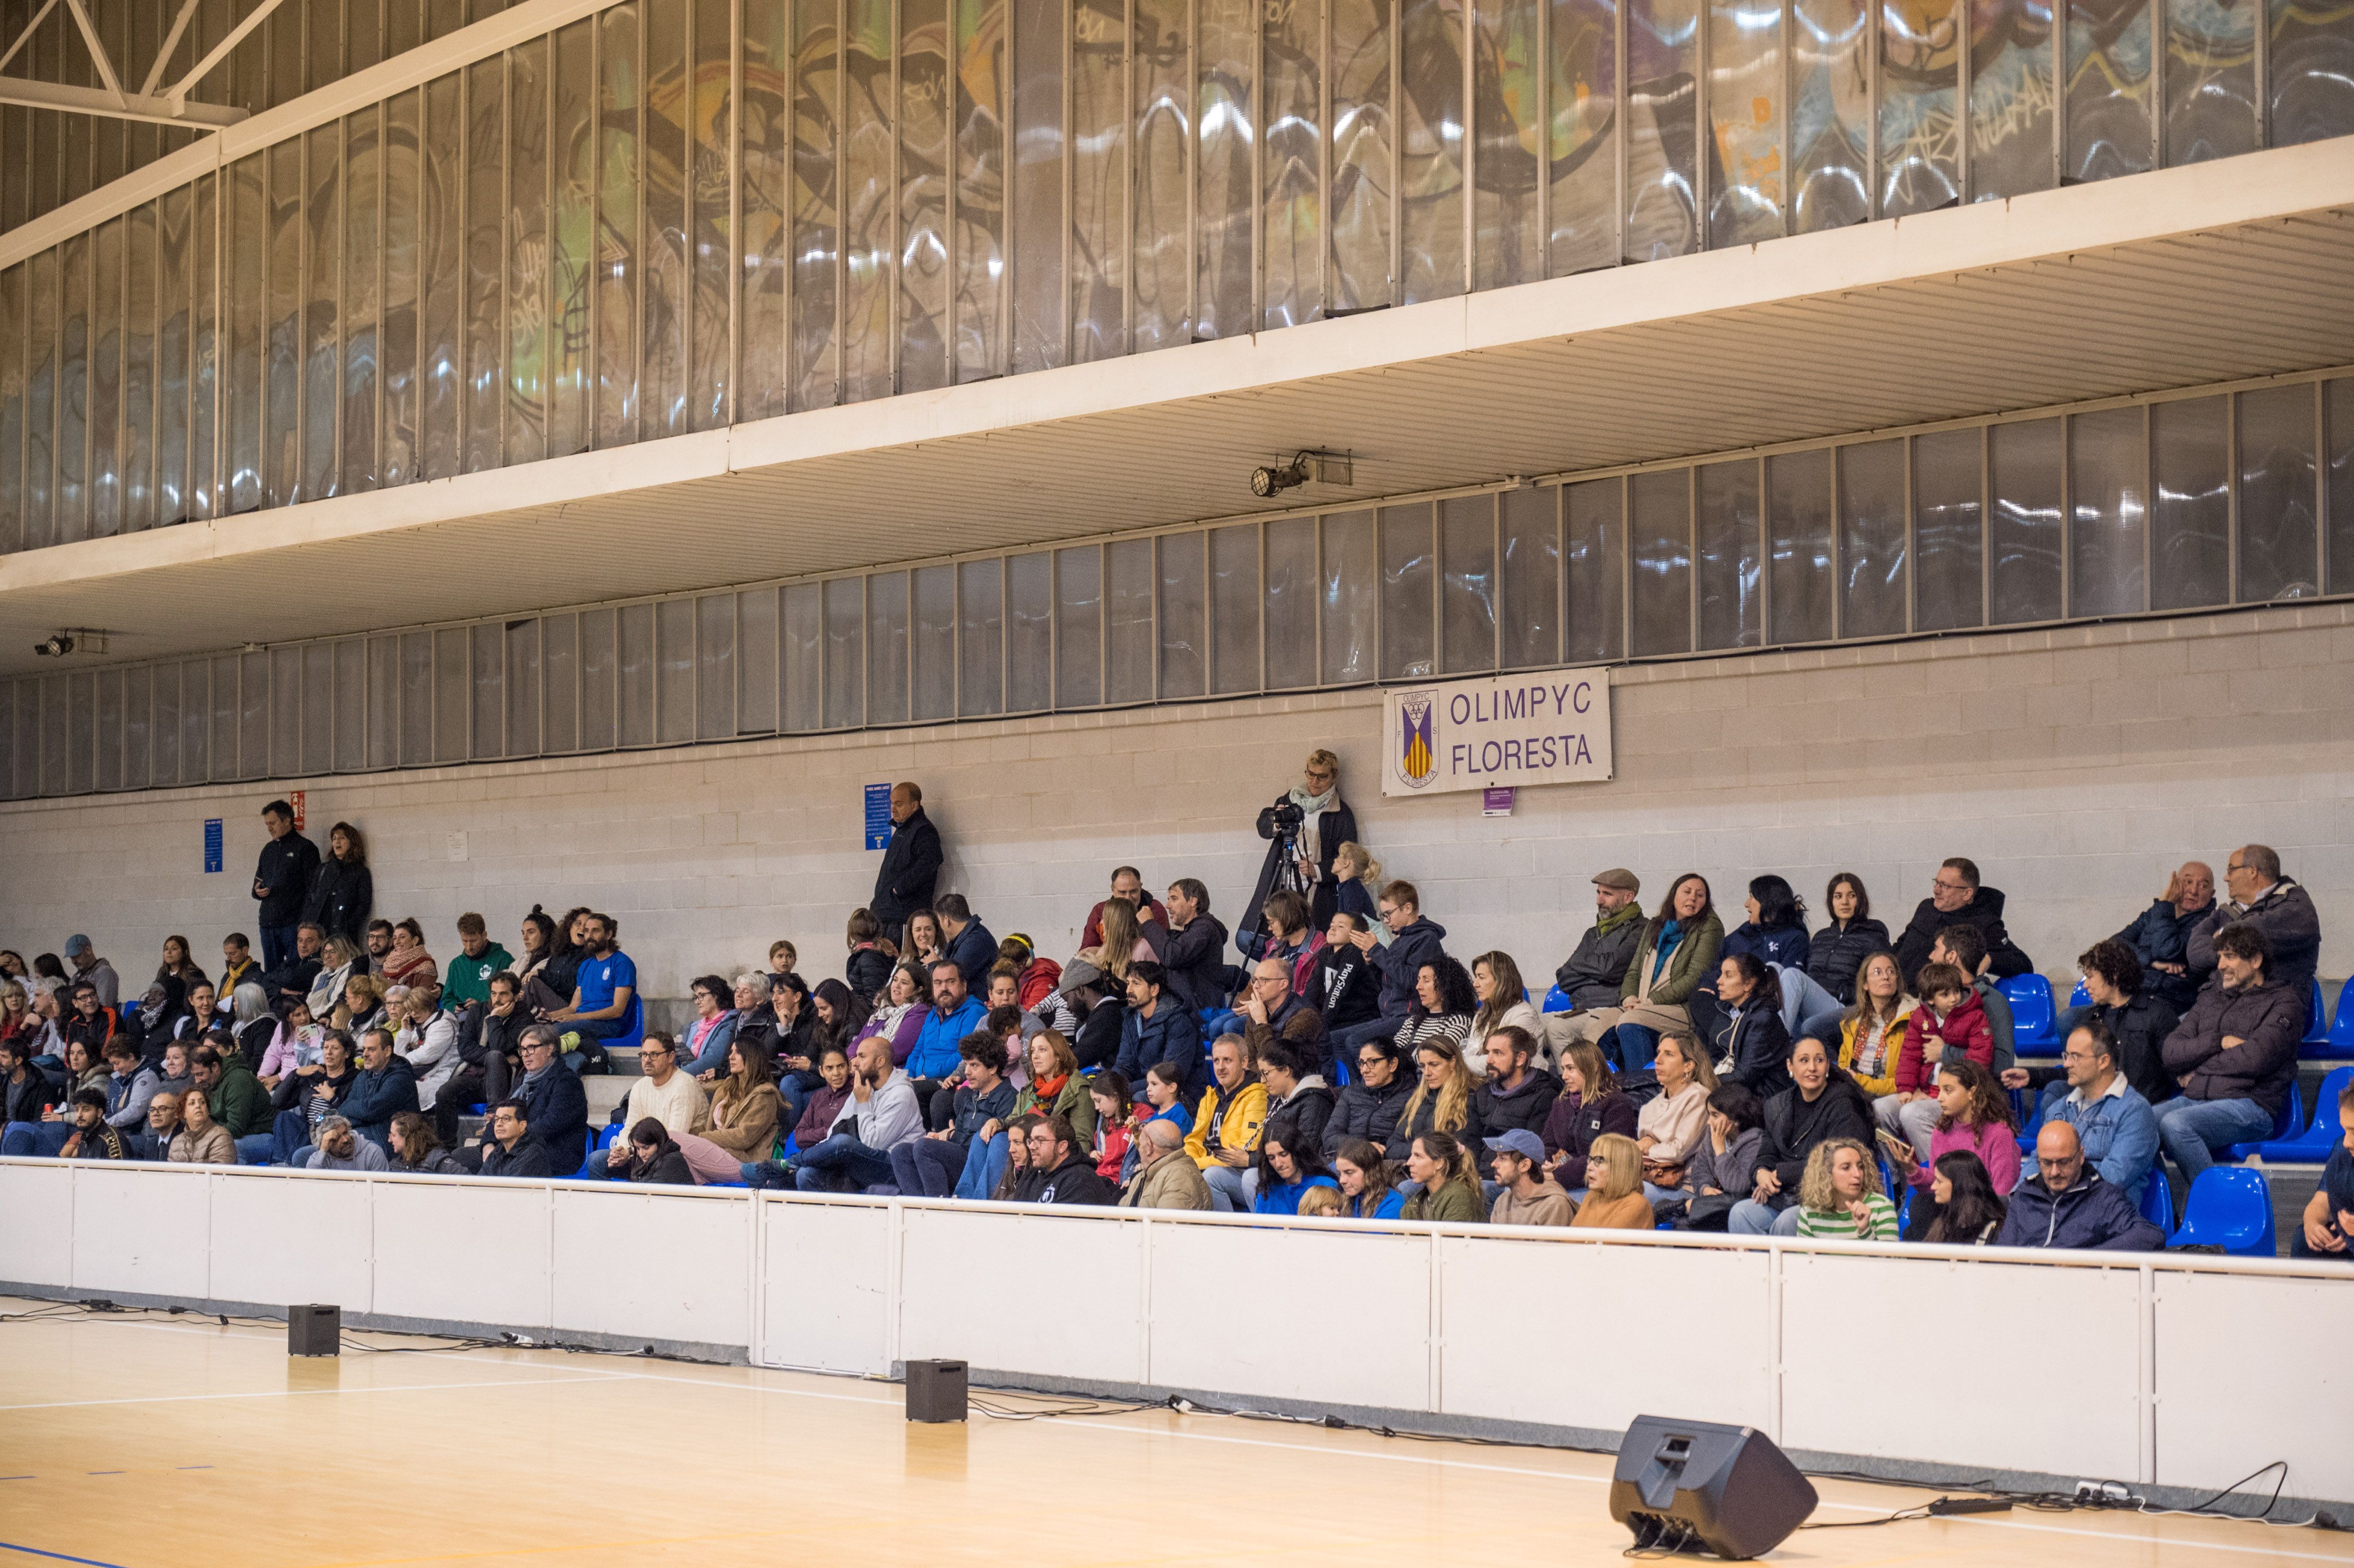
{"type": "Point", "coordinates": [1441, 1102]}
{"type": "Point", "coordinates": [1320, 822]}
{"type": "Point", "coordinates": [1613, 1192]}
{"type": "Point", "coordinates": [339, 961]}
{"type": "Point", "coordinates": [1357, 876]}
{"type": "Point", "coordinates": [1670, 1126]}
{"type": "Point", "coordinates": [1123, 941]}
{"type": "Point", "coordinates": [361, 1008]}
{"type": "Point", "coordinates": [1840, 1196]}
{"type": "Point", "coordinates": [1447, 1184]}
{"type": "Point", "coordinates": [1873, 1031]}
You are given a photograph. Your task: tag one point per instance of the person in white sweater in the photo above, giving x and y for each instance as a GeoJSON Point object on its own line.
{"type": "Point", "coordinates": [1672, 1126]}
{"type": "Point", "coordinates": [669, 1095]}
{"type": "Point", "coordinates": [425, 1035]}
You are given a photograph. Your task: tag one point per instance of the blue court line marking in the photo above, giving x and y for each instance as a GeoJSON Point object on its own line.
{"type": "Point", "coordinates": [55, 1556]}
{"type": "Point", "coordinates": [192, 1467]}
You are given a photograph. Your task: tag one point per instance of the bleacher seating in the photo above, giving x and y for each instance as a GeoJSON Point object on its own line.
{"type": "Point", "coordinates": [2031, 1033]}
{"type": "Point", "coordinates": [1557, 1001]}
{"type": "Point", "coordinates": [2338, 1039]}
{"type": "Point", "coordinates": [2313, 1142]}
{"type": "Point", "coordinates": [2231, 1208]}
{"type": "Point", "coordinates": [2287, 1124]}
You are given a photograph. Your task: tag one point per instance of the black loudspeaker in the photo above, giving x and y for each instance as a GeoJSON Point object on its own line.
{"type": "Point", "coordinates": [1700, 1486]}
{"type": "Point", "coordinates": [935, 1391]}
{"type": "Point", "coordinates": [314, 1331]}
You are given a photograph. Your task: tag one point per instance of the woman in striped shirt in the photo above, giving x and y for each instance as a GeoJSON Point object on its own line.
{"type": "Point", "coordinates": [1840, 1195]}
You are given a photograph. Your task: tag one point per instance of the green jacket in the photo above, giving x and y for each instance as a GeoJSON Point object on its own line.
{"type": "Point", "coordinates": [1452, 1203]}
{"type": "Point", "coordinates": [1692, 962]}
{"type": "Point", "coordinates": [466, 979]}
{"type": "Point", "coordinates": [238, 1102]}
{"type": "Point", "coordinates": [1075, 1101]}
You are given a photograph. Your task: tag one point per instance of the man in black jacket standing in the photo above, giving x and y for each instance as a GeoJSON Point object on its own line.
{"type": "Point", "coordinates": [281, 881]}
{"type": "Point", "coordinates": [911, 866]}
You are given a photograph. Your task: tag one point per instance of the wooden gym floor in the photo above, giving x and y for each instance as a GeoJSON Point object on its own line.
{"type": "Point", "coordinates": [143, 1441]}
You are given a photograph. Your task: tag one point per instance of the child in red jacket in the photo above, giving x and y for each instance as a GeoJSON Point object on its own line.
{"type": "Point", "coordinates": [1952, 1013]}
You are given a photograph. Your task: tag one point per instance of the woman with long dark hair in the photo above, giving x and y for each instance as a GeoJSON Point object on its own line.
{"type": "Point", "coordinates": [1835, 954]}
{"type": "Point", "coordinates": [343, 890]}
{"type": "Point", "coordinates": [1964, 1209]}
{"type": "Point", "coordinates": [1444, 1005]}
{"type": "Point", "coordinates": [1676, 955]}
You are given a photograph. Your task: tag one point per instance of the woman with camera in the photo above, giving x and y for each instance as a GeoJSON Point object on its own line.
{"type": "Point", "coordinates": [1305, 828]}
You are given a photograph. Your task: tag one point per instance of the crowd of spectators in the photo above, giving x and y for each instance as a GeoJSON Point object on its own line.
{"type": "Point", "coordinates": [1327, 1056]}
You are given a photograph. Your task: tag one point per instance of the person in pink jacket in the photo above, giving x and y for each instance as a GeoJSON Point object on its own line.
{"type": "Point", "coordinates": [1974, 1114]}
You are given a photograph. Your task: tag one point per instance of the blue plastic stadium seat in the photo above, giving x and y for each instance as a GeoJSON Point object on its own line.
{"type": "Point", "coordinates": [2158, 1200]}
{"type": "Point", "coordinates": [2030, 1014]}
{"type": "Point", "coordinates": [2286, 1124]}
{"type": "Point", "coordinates": [2230, 1208]}
{"type": "Point", "coordinates": [604, 1140]}
{"type": "Point", "coordinates": [1557, 1000]}
{"type": "Point", "coordinates": [129, 1012]}
{"type": "Point", "coordinates": [2080, 997]}
{"type": "Point", "coordinates": [2316, 1026]}
{"type": "Point", "coordinates": [2315, 1142]}
{"type": "Point", "coordinates": [2341, 1028]}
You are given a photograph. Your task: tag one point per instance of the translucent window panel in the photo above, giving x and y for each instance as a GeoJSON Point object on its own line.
{"type": "Point", "coordinates": [1290, 603]}
{"type": "Point", "coordinates": [288, 704]}
{"type": "Point", "coordinates": [1431, 149]}
{"type": "Point", "coordinates": [1040, 298]}
{"type": "Point", "coordinates": [1351, 598]}
{"type": "Point", "coordinates": [981, 637]}
{"type": "Point", "coordinates": [27, 729]}
{"type": "Point", "coordinates": [635, 675]}
{"type": "Point", "coordinates": [845, 654]}
{"type": "Point", "coordinates": [756, 661]}
{"type": "Point", "coordinates": [527, 342]}
{"type": "Point", "coordinates": [674, 672]}
{"type": "Point", "coordinates": [174, 323]}
{"type": "Point", "coordinates": [386, 680]}
{"type": "Point", "coordinates": [164, 736]}
{"type": "Point", "coordinates": [318, 381]}
{"type": "Point", "coordinates": [934, 658]}
{"type": "Point", "coordinates": [1127, 621]}
{"type": "Point", "coordinates": [1364, 155]}
{"type": "Point", "coordinates": [2108, 89]}
{"type": "Point", "coordinates": [1659, 525]}
{"type": "Point", "coordinates": [2190, 529]}
{"type": "Point", "coordinates": [403, 256]}
{"type": "Point", "coordinates": [1292, 69]}
{"type": "Point", "coordinates": [1078, 627]}
{"type": "Point", "coordinates": [1873, 525]}
{"type": "Point", "coordinates": [2108, 495]}
{"type": "Point", "coordinates": [1530, 610]}
{"type": "Point", "coordinates": [137, 443]}
{"type": "Point", "coordinates": [888, 656]}
{"type": "Point", "coordinates": [1183, 671]}
{"type": "Point", "coordinates": [1466, 593]}
{"type": "Point", "coordinates": [229, 720]}
{"type": "Point", "coordinates": [599, 672]}
{"type": "Point", "coordinates": [486, 265]}
{"type": "Point", "coordinates": [924, 172]}
{"type": "Point", "coordinates": [2024, 531]}
{"type": "Point", "coordinates": [2310, 65]}
{"type": "Point", "coordinates": [73, 390]}
{"type": "Point", "coordinates": [711, 282]}
{"type": "Point", "coordinates": [14, 330]}
{"type": "Point", "coordinates": [56, 758]}
{"type": "Point", "coordinates": [1409, 580]}
{"type": "Point", "coordinates": [803, 652]}
{"type": "Point", "coordinates": [869, 200]}
{"type": "Point", "coordinates": [1829, 115]}
{"type": "Point", "coordinates": [489, 671]}
{"type": "Point", "coordinates": [613, 253]}
{"type": "Point", "coordinates": [1226, 50]}
{"type": "Point", "coordinates": [523, 694]}
{"type": "Point", "coordinates": [138, 731]}
{"type": "Point", "coordinates": [1508, 243]}
{"type": "Point", "coordinates": [347, 699]}
{"type": "Point", "coordinates": [666, 273]}
{"type": "Point", "coordinates": [716, 664]}
{"type": "Point", "coordinates": [2210, 81]}
{"type": "Point", "coordinates": [1920, 84]}
{"type": "Point", "coordinates": [2010, 98]}
{"type": "Point", "coordinates": [442, 253]}
{"type": "Point", "coordinates": [1030, 632]}
{"type": "Point", "coordinates": [282, 330]}
{"type": "Point", "coordinates": [560, 659]}
{"type": "Point", "coordinates": [2278, 495]}
{"type": "Point", "coordinates": [1731, 607]}
{"type": "Point", "coordinates": [1099, 178]}
{"type": "Point", "coordinates": [1744, 121]}
{"type": "Point", "coordinates": [105, 383]}
{"type": "Point", "coordinates": [977, 253]}
{"type": "Point", "coordinates": [41, 395]}
{"type": "Point", "coordinates": [572, 234]}
{"type": "Point", "coordinates": [764, 158]}
{"type": "Point", "coordinates": [1798, 547]}
{"type": "Point", "coordinates": [9, 749]}
{"type": "Point", "coordinates": [1948, 530]}
{"type": "Point", "coordinates": [110, 729]}
{"type": "Point", "coordinates": [452, 682]}
{"type": "Point", "coordinates": [1662, 63]}
{"type": "Point", "coordinates": [364, 260]}
{"type": "Point", "coordinates": [816, 200]}
{"type": "Point", "coordinates": [2338, 432]}
{"type": "Point", "coordinates": [1235, 608]}
{"type": "Point", "coordinates": [81, 734]}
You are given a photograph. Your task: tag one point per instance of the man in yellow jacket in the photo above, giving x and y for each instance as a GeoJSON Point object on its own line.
{"type": "Point", "coordinates": [1227, 1126]}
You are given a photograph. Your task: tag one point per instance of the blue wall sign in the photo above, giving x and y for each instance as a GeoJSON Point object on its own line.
{"type": "Point", "coordinates": [212, 844]}
{"type": "Point", "coordinates": [878, 816]}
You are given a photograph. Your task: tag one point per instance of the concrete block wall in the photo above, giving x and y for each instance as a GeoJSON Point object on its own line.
{"type": "Point", "coordinates": [2077, 767]}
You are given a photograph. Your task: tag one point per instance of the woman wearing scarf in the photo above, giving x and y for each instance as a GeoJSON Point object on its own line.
{"type": "Point", "coordinates": [160, 1013]}
{"type": "Point", "coordinates": [1326, 823]}
{"type": "Point", "coordinates": [1677, 953]}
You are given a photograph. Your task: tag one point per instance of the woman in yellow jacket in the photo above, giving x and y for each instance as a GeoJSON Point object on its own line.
{"type": "Point", "coordinates": [1227, 1125]}
{"type": "Point", "coordinates": [1873, 1029]}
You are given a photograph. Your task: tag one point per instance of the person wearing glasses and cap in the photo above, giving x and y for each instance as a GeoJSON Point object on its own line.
{"type": "Point", "coordinates": [1593, 976]}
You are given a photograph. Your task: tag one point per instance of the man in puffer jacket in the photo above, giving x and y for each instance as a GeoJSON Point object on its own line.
{"type": "Point", "coordinates": [2066, 1204]}
{"type": "Point", "coordinates": [1414, 942]}
{"type": "Point", "coordinates": [2259, 896]}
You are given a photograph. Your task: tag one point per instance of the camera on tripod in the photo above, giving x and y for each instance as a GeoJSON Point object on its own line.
{"type": "Point", "coordinates": [1281, 821]}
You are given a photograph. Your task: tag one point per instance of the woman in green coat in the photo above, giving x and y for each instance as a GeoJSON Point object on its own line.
{"type": "Point", "coordinates": [1449, 1181]}
{"type": "Point", "coordinates": [1055, 1087]}
{"type": "Point", "coordinates": [1676, 957]}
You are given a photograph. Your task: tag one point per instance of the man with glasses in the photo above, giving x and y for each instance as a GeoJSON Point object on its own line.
{"type": "Point", "coordinates": [2115, 1125]}
{"type": "Point", "coordinates": [554, 1106]}
{"type": "Point", "coordinates": [667, 1094]}
{"type": "Point", "coordinates": [1956, 898]}
{"type": "Point", "coordinates": [2067, 1205]}
{"type": "Point", "coordinates": [1271, 1011]}
{"type": "Point", "coordinates": [2256, 894]}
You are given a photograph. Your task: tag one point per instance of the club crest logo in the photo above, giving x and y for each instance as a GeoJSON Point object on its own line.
{"type": "Point", "coordinates": [1417, 752]}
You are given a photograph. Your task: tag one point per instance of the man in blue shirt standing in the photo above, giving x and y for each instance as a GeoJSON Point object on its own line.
{"type": "Point", "coordinates": [605, 1011]}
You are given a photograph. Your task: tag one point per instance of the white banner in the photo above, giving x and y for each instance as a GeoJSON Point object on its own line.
{"type": "Point", "coordinates": [1507, 730]}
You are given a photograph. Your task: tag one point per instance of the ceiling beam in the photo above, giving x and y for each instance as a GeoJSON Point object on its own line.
{"type": "Point", "coordinates": [203, 68]}
{"type": "Point", "coordinates": [31, 27]}
{"type": "Point", "coordinates": [106, 76]}
{"type": "Point", "coordinates": [117, 106]}
{"type": "Point", "coordinates": [172, 41]}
